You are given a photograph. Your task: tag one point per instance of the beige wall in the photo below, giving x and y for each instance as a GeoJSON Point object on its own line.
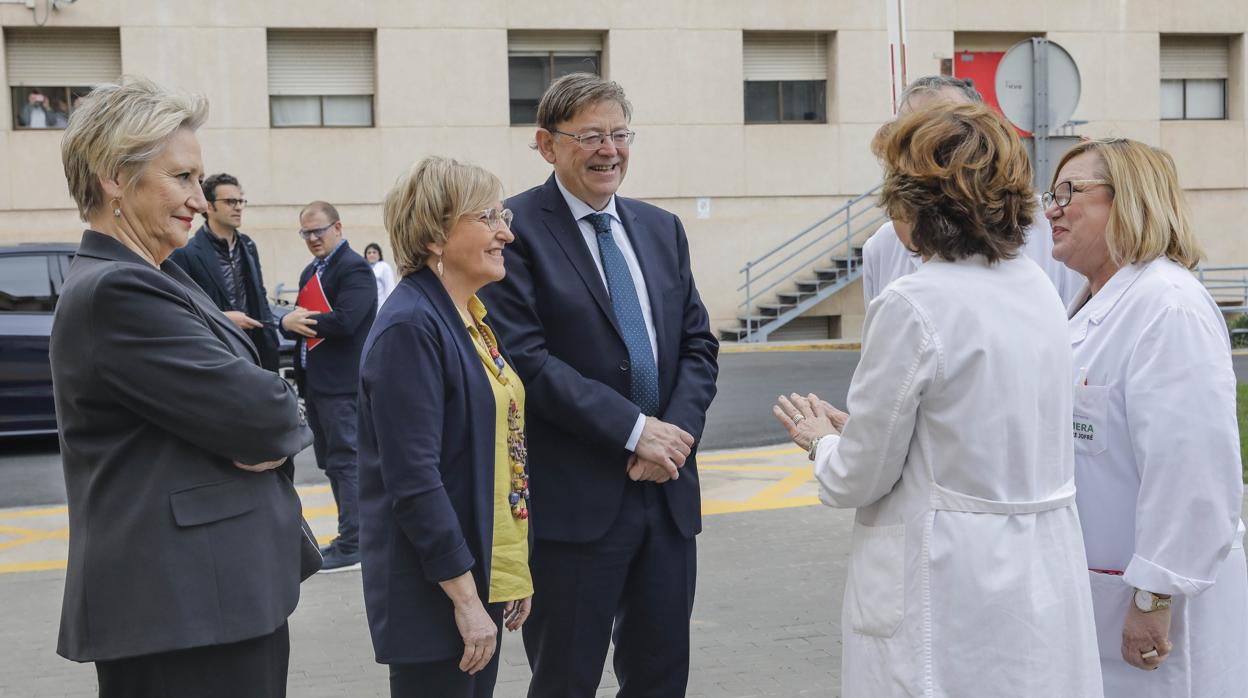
{"type": "Point", "coordinates": [442, 88]}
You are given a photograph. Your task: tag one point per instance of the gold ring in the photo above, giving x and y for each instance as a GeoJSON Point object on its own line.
{"type": "Point", "coordinates": [798, 417]}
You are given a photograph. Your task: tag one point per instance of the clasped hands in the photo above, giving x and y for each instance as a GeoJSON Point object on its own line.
{"type": "Point", "coordinates": [808, 419]}
{"type": "Point", "coordinates": [661, 452]}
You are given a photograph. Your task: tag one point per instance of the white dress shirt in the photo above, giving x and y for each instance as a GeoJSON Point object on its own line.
{"type": "Point", "coordinates": [580, 210]}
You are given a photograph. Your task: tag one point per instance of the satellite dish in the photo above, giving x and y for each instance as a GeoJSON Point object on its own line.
{"type": "Point", "coordinates": [1021, 80]}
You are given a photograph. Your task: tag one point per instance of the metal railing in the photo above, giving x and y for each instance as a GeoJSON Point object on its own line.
{"type": "Point", "coordinates": [829, 235]}
{"type": "Point", "coordinates": [1228, 285]}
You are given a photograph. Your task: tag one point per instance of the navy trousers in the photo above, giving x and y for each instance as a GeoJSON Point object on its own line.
{"type": "Point", "coordinates": [334, 425]}
{"type": "Point", "coordinates": [634, 586]}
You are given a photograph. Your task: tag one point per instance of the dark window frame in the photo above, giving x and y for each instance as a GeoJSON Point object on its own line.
{"type": "Point", "coordinates": [1183, 85]}
{"type": "Point", "coordinates": [550, 57]}
{"type": "Point", "coordinates": [823, 107]}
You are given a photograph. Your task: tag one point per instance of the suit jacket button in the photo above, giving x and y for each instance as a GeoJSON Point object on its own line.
{"type": "Point", "coordinates": [624, 365]}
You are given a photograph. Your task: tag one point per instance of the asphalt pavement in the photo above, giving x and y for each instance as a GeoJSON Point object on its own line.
{"type": "Point", "coordinates": [30, 468]}
{"type": "Point", "coordinates": [740, 417]}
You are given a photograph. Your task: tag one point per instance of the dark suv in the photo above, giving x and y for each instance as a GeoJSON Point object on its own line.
{"type": "Point", "coordinates": [31, 276]}
{"type": "Point", "coordinates": [30, 280]}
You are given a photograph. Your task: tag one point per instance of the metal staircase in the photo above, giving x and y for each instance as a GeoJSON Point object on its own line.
{"type": "Point", "coordinates": [799, 273]}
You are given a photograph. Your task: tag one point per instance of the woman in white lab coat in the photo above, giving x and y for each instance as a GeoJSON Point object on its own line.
{"type": "Point", "coordinates": [1156, 442]}
{"type": "Point", "coordinates": [967, 571]}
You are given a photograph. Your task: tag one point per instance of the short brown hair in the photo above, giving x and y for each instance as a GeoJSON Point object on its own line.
{"type": "Point", "coordinates": [1149, 216]}
{"type": "Point", "coordinates": [959, 175]}
{"type": "Point", "coordinates": [116, 130]}
{"type": "Point", "coordinates": [571, 93]}
{"type": "Point", "coordinates": [427, 200]}
{"type": "Point", "coordinates": [324, 207]}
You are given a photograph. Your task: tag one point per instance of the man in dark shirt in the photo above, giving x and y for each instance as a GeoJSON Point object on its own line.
{"type": "Point", "coordinates": [224, 262]}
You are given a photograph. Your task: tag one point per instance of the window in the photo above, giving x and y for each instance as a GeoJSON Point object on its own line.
{"type": "Point", "coordinates": [321, 78]}
{"type": "Point", "coordinates": [536, 59]}
{"type": "Point", "coordinates": [26, 285]}
{"type": "Point", "coordinates": [49, 70]}
{"type": "Point", "coordinates": [1194, 71]}
{"type": "Point", "coordinates": [786, 78]}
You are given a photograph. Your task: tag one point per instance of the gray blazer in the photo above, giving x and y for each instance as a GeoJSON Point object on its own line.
{"type": "Point", "coordinates": [170, 545]}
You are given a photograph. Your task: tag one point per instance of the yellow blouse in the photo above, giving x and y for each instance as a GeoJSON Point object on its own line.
{"type": "Point", "coordinates": [509, 556]}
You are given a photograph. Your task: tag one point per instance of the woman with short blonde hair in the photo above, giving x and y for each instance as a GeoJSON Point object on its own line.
{"type": "Point", "coordinates": [425, 203]}
{"type": "Point", "coordinates": [1157, 457]}
{"type": "Point", "coordinates": [444, 488]}
{"type": "Point", "coordinates": [184, 536]}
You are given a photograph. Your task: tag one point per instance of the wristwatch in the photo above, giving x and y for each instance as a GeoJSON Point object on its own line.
{"type": "Point", "coordinates": [1148, 602]}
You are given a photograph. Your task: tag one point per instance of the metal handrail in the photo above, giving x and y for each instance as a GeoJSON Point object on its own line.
{"type": "Point", "coordinates": [818, 223]}
{"type": "Point", "coordinates": [798, 247]}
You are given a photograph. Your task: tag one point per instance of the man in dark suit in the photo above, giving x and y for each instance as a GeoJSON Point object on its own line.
{"type": "Point", "coordinates": [329, 373]}
{"type": "Point", "coordinates": [224, 262]}
{"type": "Point", "coordinates": [605, 326]}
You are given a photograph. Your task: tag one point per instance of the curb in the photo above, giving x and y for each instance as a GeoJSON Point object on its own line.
{"type": "Point", "coordinates": [795, 346]}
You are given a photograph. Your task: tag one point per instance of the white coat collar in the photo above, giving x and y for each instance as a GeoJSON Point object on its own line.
{"type": "Point", "coordinates": [1100, 305]}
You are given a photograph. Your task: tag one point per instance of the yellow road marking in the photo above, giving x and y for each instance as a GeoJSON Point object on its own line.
{"type": "Point", "coordinates": [775, 495]}
{"type": "Point", "coordinates": [32, 513]}
{"type": "Point", "coordinates": [37, 566]}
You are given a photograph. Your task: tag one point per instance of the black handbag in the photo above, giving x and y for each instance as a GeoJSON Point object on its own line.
{"type": "Point", "coordinates": [309, 552]}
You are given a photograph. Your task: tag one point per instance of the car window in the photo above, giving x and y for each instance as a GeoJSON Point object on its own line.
{"type": "Point", "coordinates": [25, 285]}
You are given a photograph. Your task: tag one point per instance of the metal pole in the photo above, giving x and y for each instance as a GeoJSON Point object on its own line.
{"type": "Point", "coordinates": [849, 242]}
{"type": "Point", "coordinates": [1040, 107]}
{"type": "Point", "coordinates": [749, 301]}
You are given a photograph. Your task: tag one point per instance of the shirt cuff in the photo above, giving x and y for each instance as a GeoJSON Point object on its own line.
{"type": "Point", "coordinates": [634, 437]}
{"type": "Point", "coordinates": [1149, 576]}
{"type": "Point", "coordinates": [824, 449]}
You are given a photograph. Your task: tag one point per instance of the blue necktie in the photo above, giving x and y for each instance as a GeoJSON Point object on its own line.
{"type": "Point", "coordinates": [644, 374]}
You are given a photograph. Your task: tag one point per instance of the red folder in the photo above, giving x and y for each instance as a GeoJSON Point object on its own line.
{"type": "Point", "coordinates": [312, 297]}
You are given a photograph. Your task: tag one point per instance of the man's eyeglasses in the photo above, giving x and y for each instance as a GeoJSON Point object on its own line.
{"type": "Point", "coordinates": [594, 140]}
{"type": "Point", "coordinates": [494, 217]}
{"type": "Point", "coordinates": [232, 203]}
{"type": "Point", "coordinates": [309, 233]}
{"type": "Point", "coordinates": [1064, 190]}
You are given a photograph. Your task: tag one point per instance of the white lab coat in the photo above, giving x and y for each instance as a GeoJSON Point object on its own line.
{"type": "Point", "coordinates": [1159, 482]}
{"type": "Point", "coordinates": [967, 575]}
{"type": "Point", "coordinates": [385, 281]}
{"type": "Point", "coordinates": [885, 259]}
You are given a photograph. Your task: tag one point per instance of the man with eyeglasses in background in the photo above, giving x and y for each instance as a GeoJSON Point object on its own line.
{"type": "Point", "coordinates": [604, 324]}
{"type": "Point", "coordinates": [224, 263]}
{"type": "Point", "coordinates": [328, 374]}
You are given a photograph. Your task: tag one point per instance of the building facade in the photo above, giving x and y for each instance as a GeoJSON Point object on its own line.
{"type": "Point", "coordinates": [753, 117]}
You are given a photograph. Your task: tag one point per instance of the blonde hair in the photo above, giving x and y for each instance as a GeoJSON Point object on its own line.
{"type": "Point", "coordinates": [427, 200]}
{"type": "Point", "coordinates": [1149, 216]}
{"type": "Point", "coordinates": [116, 130]}
{"type": "Point", "coordinates": [959, 174]}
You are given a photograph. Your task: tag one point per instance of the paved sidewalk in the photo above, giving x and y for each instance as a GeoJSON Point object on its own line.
{"type": "Point", "coordinates": [766, 620]}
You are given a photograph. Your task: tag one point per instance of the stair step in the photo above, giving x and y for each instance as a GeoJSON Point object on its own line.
{"type": "Point", "coordinates": [773, 309]}
{"type": "Point", "coordinates": [732, 335]}
{"type": "Point", "coordinates": [843, 262]}
{"type": "Point", "coordinates": [795, 297]}
{"type": "Point", "coordinates": [829, 274]}
{"type": "Point", "coordinates": [757, 320]}
{"type": "Point", "coordinates": [811, 286]}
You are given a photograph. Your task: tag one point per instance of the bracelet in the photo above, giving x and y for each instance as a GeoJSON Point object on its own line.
{"type": "Point", "coordinates": [814, 446]}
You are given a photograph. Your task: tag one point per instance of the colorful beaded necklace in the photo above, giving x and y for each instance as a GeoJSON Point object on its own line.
{"type": "Point", "coordinates": [517, 449]}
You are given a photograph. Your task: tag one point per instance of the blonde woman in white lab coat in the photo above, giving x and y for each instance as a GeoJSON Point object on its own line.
{"type": "Point", "coordinates": [1156, 441]}
{"type": "Point", "coordinates": [967, 574]}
